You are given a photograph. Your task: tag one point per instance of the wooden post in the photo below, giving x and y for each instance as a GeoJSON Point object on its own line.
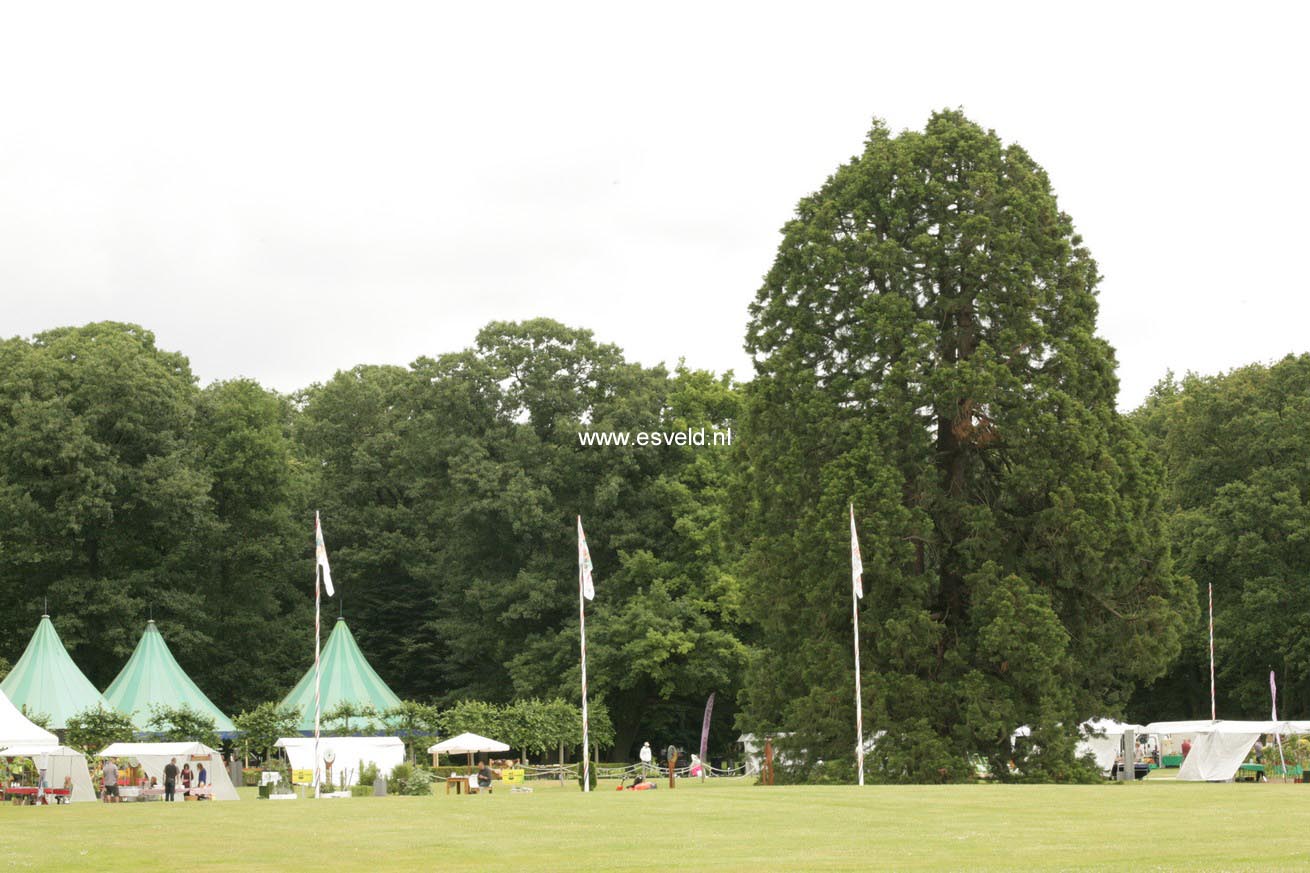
{"type": "Point", "coordinates": [561, 763]}
{"type": "Point", "coordinates": [766, 777]}
{"type": "Point", "coordinates": [672, 755]}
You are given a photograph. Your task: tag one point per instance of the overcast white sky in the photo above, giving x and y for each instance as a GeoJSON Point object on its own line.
{"type": "Point", "coordinates": [280, 191]}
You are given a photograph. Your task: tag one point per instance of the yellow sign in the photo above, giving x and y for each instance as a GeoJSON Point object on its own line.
{"type": "Point", "coordinates": [302, 777]}
{"type": "Point", "coordinates": [511, 775]}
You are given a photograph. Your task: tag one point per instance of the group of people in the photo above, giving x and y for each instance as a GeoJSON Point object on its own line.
{"type": "Point", "coordinates": [110, 780]}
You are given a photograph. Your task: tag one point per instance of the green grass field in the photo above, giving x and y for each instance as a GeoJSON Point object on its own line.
{"type": "Point", "coordinates": [726, 825]}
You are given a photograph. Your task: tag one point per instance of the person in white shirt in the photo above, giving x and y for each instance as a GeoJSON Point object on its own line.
{"type": "Point", "coordinates": [645, 756]}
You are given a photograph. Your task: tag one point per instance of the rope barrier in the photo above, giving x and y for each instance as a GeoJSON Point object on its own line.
{"type": "Point", "coordinates": [555, 771]}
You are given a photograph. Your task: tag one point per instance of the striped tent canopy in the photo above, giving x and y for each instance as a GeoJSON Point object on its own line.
{"type": "Point", "coordinates": [152, 677]}
{"type": "Point", "coordinates": [46, 681]}
{"type": "Point", "coordinates": [346, 676]}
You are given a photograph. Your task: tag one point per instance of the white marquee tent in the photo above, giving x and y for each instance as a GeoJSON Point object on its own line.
{"type": "Point", "coordinates": [17, 728]}
{"type": "Point", "coordinates": [349, 755]}
{"type": "Point", "coordinates": [1102, 738]}
{"type": "Point", "coordinates": [1219, 747]}
{"type": "Point", "coordinates": [61, 765]}
{"type": "Point", "coordinates": [155, 756]}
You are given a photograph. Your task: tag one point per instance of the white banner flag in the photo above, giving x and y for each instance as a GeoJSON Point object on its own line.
{"type": "Point", "coordinates": [584, 564]}
{"type": "Point", "coordinates": [857, 565]}
{"type": "Point", "coordinates": [320, 555]}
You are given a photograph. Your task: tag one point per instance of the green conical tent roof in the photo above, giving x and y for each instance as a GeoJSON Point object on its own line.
{"type": "Point", "coordinates": [45, 680]}
{"type": "Point", "coordinates": [346, 675]}
{"type": "Point", "coordinates": [152, 677]}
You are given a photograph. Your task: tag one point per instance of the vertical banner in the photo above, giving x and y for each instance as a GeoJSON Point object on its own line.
{"type": "Point", "coordinates": [1273, 714]}
{"type": "Point", "coordinates": [705, 731]}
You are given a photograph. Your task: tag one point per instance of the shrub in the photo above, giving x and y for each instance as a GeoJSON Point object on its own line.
{"type": "Point", "coordinates": [410, 779]}
{"type": "Point", "coordinates": [399, 774]}
{"type": "Point", "coordinates": [361, 790]}
{"type": "Point", "coordinates": [368, 772]}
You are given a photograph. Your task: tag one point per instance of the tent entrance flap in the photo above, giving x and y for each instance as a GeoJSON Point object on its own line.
{"type": "Point", "coordinates": [1215, 757]}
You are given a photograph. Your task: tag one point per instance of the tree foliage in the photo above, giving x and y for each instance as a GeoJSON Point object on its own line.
{"type": "Point", "coordinates": [91, 730]}
{"type": "Point", "coordinates": [453, 486]}
{"type": "Point", "coordinates": [925, 348]}
{"type": "Point", "coordinates": [1238, 459]}
{"type": "Point", "coordinates": [449, 491]}
{"type": "Point", "coordinates": [417, 724]}
{"type": "Point", "coordinates": [125, 492]}
{"type": "Point", "coordinates": [348, 718]}
{"type": "Point", "coordinates": [531, 726]}
{"type": "Point", "coordinates": [179, 724]}
{"type": "Point", "coordinates": [261, 727]}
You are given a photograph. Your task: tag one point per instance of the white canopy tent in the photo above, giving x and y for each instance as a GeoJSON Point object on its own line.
{"type": "Point", "coordinates": [62, 766]}
{"type": "Point", "coordinates": [155, 756]}
{"type": "Point", "coordinates": [16, 728]}
{"type": "Point", "coordinates": [348, 754]}
{"type": "Point", "coordinates": [753, 749]}
{"type": "Point", "coordinates": [470, 744]}
{"type": "Point", "coordinates": [1102, 738]}
{"type": "Point", "coordinates": [1219, 747]}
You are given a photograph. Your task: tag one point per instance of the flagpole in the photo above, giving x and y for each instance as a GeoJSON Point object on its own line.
{"type": "Point", "coordinates": [859, 703]}
{"type": "Point", "coordinates": [318, 588]}
{"type": "Point", "coordinates": [857, 569]}
{"type": "Point", "coordinates": [322, 579]}
{"type": "Point", "coordinates": [582, 627]}
{"type": "Point", "coordinates": [1210, 589]}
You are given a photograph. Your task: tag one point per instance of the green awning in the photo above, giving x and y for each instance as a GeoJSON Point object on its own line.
{"type": "Point", "coordinates": [152, 677]}
{"type": "Point", "coordinates": [346, 675]}
{"type": "Point", "coordinates": [45, 680]}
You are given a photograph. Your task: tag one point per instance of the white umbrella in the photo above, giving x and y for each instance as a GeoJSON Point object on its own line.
{"type": "Point", "coordinates": [467, 743]}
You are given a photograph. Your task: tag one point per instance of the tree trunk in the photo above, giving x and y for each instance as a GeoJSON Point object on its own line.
{"type": "Point", "coordinates": [954, 430]}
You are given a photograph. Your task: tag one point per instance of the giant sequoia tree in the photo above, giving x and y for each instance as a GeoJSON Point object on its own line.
{"type": "Point", "coordinates": [925, 346]}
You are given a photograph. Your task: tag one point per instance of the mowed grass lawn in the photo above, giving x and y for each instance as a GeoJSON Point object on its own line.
{"type": "Point", "coordinates": [724, 825]}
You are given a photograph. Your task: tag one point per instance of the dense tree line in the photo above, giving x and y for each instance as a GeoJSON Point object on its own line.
{"type": "Point", "coordinates": [449, 491]}
{"type": "Point", "coordinates": [126, 491]}
{"type": "Point", "coordinates": [1238, 507]}
{"type": "Point", "coordinates": [925, 349]}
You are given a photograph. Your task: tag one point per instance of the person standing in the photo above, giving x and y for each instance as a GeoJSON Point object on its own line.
{"type": "Point", "coordinates": [202, 778]}
{"type": "Point", "coordinates": [170, 780]}
{"type": "Point", "coordinates": [645, 756]}
{"type": "Point", "coordinates": [109, 781]}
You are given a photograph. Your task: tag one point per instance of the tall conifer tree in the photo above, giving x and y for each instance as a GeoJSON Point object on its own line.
{"type": "Point", "coordinates": [925, 345]}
